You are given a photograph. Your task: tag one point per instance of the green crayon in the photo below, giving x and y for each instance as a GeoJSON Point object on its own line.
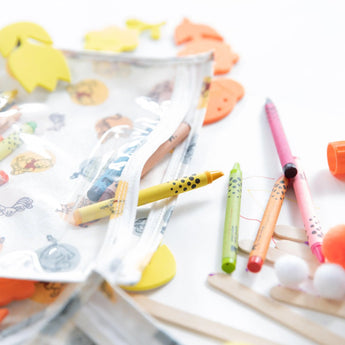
{"type": "Point", "coordinates": [232, 219]}
{"type": "Point", "coordinates": [10, 143]}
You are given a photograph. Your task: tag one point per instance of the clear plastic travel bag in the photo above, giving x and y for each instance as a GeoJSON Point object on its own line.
{"type": "Point", "coordinates": [65, 149]}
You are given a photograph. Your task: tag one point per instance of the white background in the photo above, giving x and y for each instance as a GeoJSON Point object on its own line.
{"type": "Point", "coordinates": [290, 51]}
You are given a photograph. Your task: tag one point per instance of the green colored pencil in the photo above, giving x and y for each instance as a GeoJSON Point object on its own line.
{"type": "Point", "coordinates": [232, 219]}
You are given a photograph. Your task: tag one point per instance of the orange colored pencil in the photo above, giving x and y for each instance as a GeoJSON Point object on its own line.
{"type": "Point", "coordinates": [269, 220]}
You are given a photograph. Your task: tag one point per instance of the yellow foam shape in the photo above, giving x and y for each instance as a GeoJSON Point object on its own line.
{"type": "Point", "coordinates": [160, 270]}
{"type": "Point", "coordinates": [38, 65]}
{"type": "Point", "coordinates": [154, 29]}
{"type": "Point", "coordinates": [112, 39]}
{"type": "Point", "coordinates": [16, 33]}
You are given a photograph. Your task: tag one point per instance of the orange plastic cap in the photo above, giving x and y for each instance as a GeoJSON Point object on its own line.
{"type": "Point", "coordinates": [336, 157]}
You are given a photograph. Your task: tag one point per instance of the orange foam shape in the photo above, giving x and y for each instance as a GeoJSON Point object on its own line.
{"type": "Point", "coordinates": [188, 31]}
{"type": "Point", "coordinates": [224, 57]}
{"type": "Point", "coordinates": [3, 313]}
{"type": "Point", "coordinates": [224, 94]}
{"type": "Point", "coordinates": [14, 290]}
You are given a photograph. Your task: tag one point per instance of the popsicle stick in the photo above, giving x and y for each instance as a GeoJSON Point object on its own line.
{"type": "Point", "coordinates": [273, 254]}
{"type": "Point", "coordinates": [306, 300]}
{"type": "Point", "coordinates": [287, 232]}
{"type": "Point", "coordinates": [196, 323]}
{"type": "Point", "coordinates": [275, 310]}
{"type": "Point", "coordinates": [298, 249]}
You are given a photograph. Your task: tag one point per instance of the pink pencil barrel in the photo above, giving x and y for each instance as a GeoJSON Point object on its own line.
{"type": "Point", "coordinates": [281, 143]}
{"type": "Point", "coordinates": [311, 223]}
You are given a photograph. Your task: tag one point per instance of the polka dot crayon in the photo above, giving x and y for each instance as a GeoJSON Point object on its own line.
{"type": "Point", "coordinates": [267, 225]}
{"type": "Point", "coordinates": [165, 190]}
{"type": "Point", "coordinates": [176, 187]}
{"type": "Point", "coordinates": [10, 143]}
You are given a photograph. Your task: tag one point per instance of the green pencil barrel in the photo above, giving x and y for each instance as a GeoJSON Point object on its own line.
{"type": "Point", "coordinates": [232, 219]}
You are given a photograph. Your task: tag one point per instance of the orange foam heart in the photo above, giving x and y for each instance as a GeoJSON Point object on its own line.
{"type": "Point", "coordinates": [223, 96]}
{"type": "Point", "coordinates": [224, 57]}
{"type": "Point", "coordinates": [14, 289]}
{"type": "Point", "coordinates": [188, 31]}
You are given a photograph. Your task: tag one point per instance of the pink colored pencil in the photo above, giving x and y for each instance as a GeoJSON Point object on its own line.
{"type": "Point", "coordinates": [281, 143]}
{"type": "Point", "coordinates": [311, 223]}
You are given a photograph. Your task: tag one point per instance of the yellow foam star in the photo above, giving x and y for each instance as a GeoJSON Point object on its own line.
{"type": "Point", "coordinates": [112, 39]}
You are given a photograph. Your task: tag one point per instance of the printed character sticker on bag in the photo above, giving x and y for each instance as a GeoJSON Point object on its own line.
{"type": "Point", "coordinates": [88, 92]}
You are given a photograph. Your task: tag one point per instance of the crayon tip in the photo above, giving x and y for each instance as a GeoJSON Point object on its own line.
{"type": "Point", "coordinates": [228, 266]}
{"type": "Point", "coordinates": [268, 100]}
{"type": "Point", "coordinates": [290, 170]}
{"type": "Point", "coordinates": [32, 124]}
{"type": "Point", "coordinates": [236, 166]}
{"type": "Point", "coordinates": [254, 264]}
{"type": "Point", "coordinates": [317, 251]}
{"type": "Point", "coordinates": [213, 175]}
{"type": "Point", "coordinates": [76, 218]}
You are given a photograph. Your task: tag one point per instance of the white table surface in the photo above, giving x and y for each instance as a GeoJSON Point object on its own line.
{"type": "Point", "coordinates": [290, 51]}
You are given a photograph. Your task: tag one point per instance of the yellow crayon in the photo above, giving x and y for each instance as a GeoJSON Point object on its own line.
{"type": "Point", "coordinates": [165, 190]}
{"type": "Point", "coordinates": [10, 143]}
{"type": "Point", "coordinates": [7, 97]}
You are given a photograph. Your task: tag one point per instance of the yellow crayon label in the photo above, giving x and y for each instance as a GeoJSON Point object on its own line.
{"type": "Point", "coordinates": [114, 207]}
{"type": "Point", "coordinates": [172, 188]}
{"type": "Point", "coordinates": [121, 193]}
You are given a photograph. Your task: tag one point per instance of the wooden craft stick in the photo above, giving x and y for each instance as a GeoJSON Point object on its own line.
{"type": "Point", "coordinates": [305, 300]}
{"type": "Point", "coordinates": [275, 310]}
{"type": "Point", "coordinates": [287, 232]}
{"type": "Point", "coordinates": [273, 254]}
{"type": "Point", "coordinates": [196, 323]}
{"type": "Point", "coordinates": [294, 248]}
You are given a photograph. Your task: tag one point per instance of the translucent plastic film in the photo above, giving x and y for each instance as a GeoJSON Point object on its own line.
{"type": "Point", "coordinates": [66, 149]}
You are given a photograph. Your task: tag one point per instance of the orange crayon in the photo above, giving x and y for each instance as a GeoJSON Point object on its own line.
{"type": "Point", "coordinates": [269, 220]}
{"type": "Point", "coordinates": [177, 138]}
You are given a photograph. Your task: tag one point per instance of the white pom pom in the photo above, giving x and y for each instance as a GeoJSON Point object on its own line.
{"type": "Point", "coordinates": [329, 281]}
{"type": "Point", "coordinates": [291, 270]}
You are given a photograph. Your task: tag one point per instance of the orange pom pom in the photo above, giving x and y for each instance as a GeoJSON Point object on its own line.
{"type": "Point", "coordinates": [333, 246]}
